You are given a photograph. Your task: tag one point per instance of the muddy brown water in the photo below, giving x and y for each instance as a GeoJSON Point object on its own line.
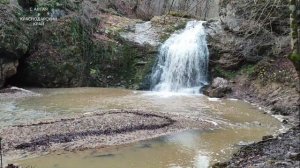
{"type": "Point", "coordinates": [238, 123]}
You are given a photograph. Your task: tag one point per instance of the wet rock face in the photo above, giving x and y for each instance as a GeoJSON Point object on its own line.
{"type": "Point", "coordinates": [140, 36]}
{"type": "Point", "coordinates": [14, 42]}
{"type": "Point", "coordinates": [219, 88]}
{"type": "Point", "coordinates": [85, 47]}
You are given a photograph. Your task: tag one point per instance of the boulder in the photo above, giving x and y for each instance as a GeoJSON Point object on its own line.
{"type": "Point", "coordinates": [7, 69]}
{"type": "Point", "coordinates": [219, 88]}
{"type": "Point", "coordinates": [11, 166]}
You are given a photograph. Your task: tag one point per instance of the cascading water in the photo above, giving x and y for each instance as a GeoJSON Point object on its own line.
{"type": "Point", "coordinates": [183, 61]}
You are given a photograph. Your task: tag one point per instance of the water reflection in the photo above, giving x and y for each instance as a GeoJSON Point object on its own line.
{"type": "Point", "coordinates": [195, 149]}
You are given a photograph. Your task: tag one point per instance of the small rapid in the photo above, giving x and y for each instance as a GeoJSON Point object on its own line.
{"type": "Point", "coordinates": [182, 64]}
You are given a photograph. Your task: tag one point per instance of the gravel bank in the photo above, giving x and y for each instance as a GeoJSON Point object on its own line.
{"type": "Point", "coordinates": [94, 130]}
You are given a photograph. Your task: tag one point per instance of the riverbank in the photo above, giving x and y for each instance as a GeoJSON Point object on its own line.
{"type": "Point", "coordinates": [271, 152]}
{"type": "Point", "coordinates": [279, 99]}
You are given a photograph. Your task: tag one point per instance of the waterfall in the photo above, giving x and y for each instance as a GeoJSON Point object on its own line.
{"type": "Point", "coordinates": [182, 64]}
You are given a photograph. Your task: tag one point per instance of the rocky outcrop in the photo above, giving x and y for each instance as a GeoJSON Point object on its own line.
{"type": "Point", "coordinates": [58, 56]}
{"type": "Point", "coordinates": [250, 47]}
{"type": "Point", "coordinates": [14, 42]}
{"type": "Point", "coordinates": [90, 44]}
{"type": "Point", "coordinates": [248, 34]}
{"type": "Point", "coordinates": [271, 83]}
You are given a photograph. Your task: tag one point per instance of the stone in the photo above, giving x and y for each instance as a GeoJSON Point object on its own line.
{"type": "Point", "coordinates": [267, 137]}
{"type": "Point", "coordinates": [294, 156]}
{"type": "Point", "coordinates": [11, 166]}
{"type": "Point", "coordinates": [7, 69]}
{"type": "Point", "coordinates": [219, 88]}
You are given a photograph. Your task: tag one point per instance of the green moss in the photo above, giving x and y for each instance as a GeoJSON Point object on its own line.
{"type": "Point", "coordinates": [230, 74]}
{"type": "Point", "coordinates": [169, 30]}
{"type": "Point", "coordinates": [76, 31]}
{"type": "Point", "coordinates": [62, 55]}
{"type": "Point", "coordinates": [218, 71]}
{"type": "Point", "coordinates": [294, 27]}
{"type": "Point", "coordinates": [119, 64]}
{"type": "Point", "coordinates": [14, 41]}
{"type": "Point", "coordinates": [180, 14]}
{"type": "Point", "coordinates": [295, 58]}
{"type": "Point", "coordinates": [247, 69]}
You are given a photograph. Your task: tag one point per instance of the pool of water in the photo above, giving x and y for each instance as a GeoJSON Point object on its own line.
{"type": "Point", "coordinates": [238, 123]}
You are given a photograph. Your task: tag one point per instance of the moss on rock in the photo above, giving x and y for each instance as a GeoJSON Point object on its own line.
{"type": "Point", "coordinates": [57, 59]}
{"type": "Point", "coordinates": [14, 42]}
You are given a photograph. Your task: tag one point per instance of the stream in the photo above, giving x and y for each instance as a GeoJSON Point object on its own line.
{"type": "Point", "coordinates": [237, 123]}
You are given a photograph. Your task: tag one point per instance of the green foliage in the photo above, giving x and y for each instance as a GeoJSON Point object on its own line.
{"type": "Point", "coordinates": [76, 31]}
{"type": "Point", "coordinates": [218, 71]}
{"type": "Point", "coordinates": [93, 73]}
{"type": "Point", "coordinates": [5, 2]}
{"type": "Point", "coordinates": [295, 58]}
{"type": "Point", "coordinates": [294, 27]}
{"type": "Point", "coordinates": [247, 69]}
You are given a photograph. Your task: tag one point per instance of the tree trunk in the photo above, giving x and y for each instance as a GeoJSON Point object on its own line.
{"type": "Point", "coordinates": [295, 33]}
